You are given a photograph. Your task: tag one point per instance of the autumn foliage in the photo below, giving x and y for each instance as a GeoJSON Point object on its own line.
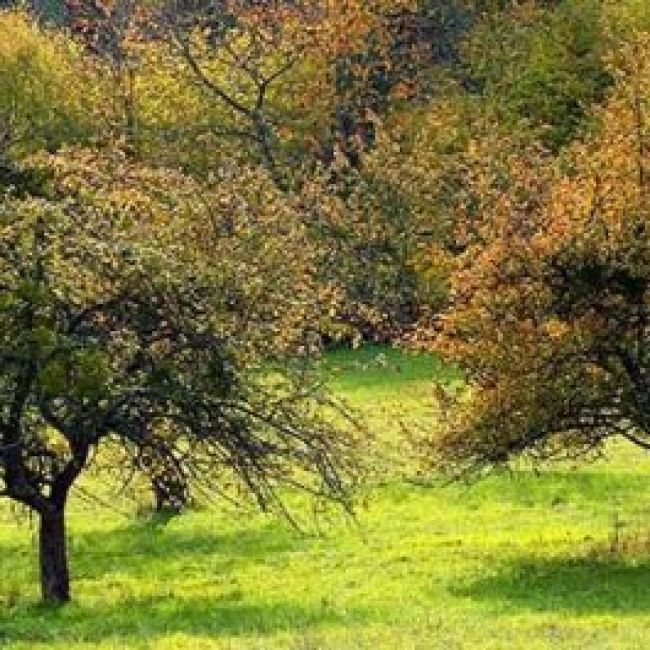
{"type": "Point", "coordinates": [200, 197]}
{"type": "Point", "coordinates": [550, 302]}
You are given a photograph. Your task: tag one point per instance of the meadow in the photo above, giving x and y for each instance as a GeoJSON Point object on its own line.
{"type": "Point", "coordinates": [555, 558]}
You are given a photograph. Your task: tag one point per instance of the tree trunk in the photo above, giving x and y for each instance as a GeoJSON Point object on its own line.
{"type": "Point", "coordinates": [169, 496]}
{"type": "Point", "coordinates": [55, 577]}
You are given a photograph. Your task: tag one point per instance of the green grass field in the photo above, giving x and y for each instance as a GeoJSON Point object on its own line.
{"type": "Point", "coordinates": [555, 560]}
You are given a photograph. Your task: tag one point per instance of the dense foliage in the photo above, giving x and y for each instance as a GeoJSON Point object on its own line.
{"type": "Point", "coordinates": [198, 196]}
{"type": "Point", "coordinates": [550, 301]}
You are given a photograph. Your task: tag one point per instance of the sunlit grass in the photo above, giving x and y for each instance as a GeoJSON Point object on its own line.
{"type": "Point", "coordinates": [394, 392]}
{"type": "Point", "coordinates": [516, 561]}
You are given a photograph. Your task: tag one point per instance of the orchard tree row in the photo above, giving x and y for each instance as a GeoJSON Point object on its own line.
{"type": "Point", "coordinates": [197, 197]}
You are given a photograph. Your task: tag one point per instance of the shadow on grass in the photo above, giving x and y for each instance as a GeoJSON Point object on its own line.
{"type": "Point", "coordinates": [149, 549]}
{"type": "Point", "coordinates": [174, 565]}
{"type": "Point", "coordinates": [577, 585]}
{"type": "Point", "coordinates": [145, 619]}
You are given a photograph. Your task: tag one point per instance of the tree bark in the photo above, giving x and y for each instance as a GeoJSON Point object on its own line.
{"type": "Point", "coordinates": [55, 576]}
{"type": "Point", "coordinates": [170, 497]}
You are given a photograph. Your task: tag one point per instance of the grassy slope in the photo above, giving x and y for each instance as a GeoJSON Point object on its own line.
{"type": "Point", "coordinates": [515, 561]}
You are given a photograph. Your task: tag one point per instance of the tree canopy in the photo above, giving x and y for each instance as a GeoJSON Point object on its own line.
{"type": "Point", "coordinates": [550, 300]}
{"type": "Point", "coordinates": [116, 326]}
{"type": "Point", "coordinates": [198, 197]}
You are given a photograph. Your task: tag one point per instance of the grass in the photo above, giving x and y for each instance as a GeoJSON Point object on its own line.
{"type": "Point", "coordinates": [394, 392]}
{"type": "Point", "coordinates": [559, 559]}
